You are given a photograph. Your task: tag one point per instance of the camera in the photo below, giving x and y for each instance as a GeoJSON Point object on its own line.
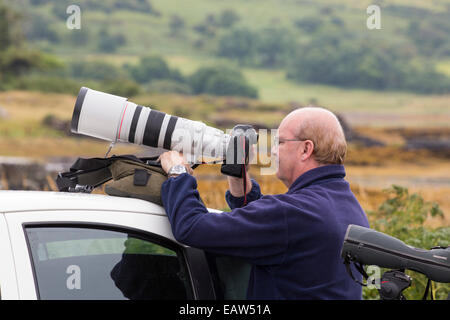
{"type": "Point", "coordinates": [114, 118]}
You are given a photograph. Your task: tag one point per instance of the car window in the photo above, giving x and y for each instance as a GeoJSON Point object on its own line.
{"type": "Point", "coordinates": [97, 263]}
{"type": "Point", "coordinates": [231, 276]}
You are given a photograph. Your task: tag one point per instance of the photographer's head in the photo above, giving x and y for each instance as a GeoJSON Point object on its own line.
{"type": "Point", "coordinates": [308, 138]}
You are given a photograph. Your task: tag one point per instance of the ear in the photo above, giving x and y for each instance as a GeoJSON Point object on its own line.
{"type": "Point", "coordinates": [308, 149]}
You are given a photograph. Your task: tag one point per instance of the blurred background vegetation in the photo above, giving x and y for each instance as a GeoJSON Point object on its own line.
{"type": "Point", "coordinates": [245, 61]}
{"type": "Point", "coordinates": [320, 42]}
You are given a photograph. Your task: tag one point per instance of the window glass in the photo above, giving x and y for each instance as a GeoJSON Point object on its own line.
{"type": "Point", "coordinates": [231, 276]}
{"type": "Point", "coordinates": [90, 263]}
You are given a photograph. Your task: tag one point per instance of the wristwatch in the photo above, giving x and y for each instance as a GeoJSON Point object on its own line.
{"type": "Point", "coordinates": [176, 170]}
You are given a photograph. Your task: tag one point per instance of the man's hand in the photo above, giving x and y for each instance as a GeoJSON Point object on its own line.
{"type": "Point", "coordinates": [235, 184]}
{"type": "Point", "coordinates": [171, 158]}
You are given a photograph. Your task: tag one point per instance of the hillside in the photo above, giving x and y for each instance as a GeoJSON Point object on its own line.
{"type": "Point", "coordinates": [188, 35]}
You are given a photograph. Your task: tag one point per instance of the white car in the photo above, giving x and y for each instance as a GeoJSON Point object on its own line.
{"type": "Point", "coordinates": [58, 245]}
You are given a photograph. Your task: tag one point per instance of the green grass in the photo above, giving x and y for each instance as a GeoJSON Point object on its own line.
{"type": "Point", "coordinates": [444, 67]}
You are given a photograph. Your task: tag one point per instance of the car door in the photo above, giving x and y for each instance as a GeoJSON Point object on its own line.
{"type": "Point", "coordinates": [8, 283]}
{"type": "Point", "coordinates": [70, 254]}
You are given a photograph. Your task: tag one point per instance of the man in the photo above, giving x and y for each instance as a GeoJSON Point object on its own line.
{"type": "Point", "coordinates": [292, 240]}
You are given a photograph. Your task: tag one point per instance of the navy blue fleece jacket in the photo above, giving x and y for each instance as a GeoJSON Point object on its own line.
{"type": "Point", "coordinates": [292, 240]}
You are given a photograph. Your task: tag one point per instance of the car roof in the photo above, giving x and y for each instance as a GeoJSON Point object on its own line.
{"type": "Point", "coordinates": [19, 201]}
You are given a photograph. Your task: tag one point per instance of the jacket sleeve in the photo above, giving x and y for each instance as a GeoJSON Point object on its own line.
{"type": "Point", "coordinates": [237, 202]}
{"type": "Point", "coordinates": [256, 232]}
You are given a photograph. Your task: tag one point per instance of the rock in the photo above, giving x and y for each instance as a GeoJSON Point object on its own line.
{"type": "Point", "coordinates": [3, 113]}
{"type": "Point", "coordinates": [23, 174]}
{"type": "Point", "coordinates": [353, 136]}
{"type": "Point", "coordinates": [437, 146]}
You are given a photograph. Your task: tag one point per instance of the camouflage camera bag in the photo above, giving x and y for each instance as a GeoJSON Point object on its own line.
{"type": "Point", "coordinates": [126, 176]}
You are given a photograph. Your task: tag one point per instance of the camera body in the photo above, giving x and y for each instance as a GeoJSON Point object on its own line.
{"type": "Point", "coordinates": [238, 151]}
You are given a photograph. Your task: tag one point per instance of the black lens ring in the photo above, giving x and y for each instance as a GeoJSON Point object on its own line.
{"type": "Point", "coordinates": [77, 110]}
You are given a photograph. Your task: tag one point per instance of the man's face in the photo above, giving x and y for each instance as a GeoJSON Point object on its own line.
{"type": "Point", "coordinates": [286, 151]}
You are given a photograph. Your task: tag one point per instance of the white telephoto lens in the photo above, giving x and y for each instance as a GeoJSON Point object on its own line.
{"type": "Point", "coordinates": [113, 118]}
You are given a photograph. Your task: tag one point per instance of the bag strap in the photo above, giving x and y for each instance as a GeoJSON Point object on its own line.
{"type": "Point", "coordinates": [98, 163]}
{"type": "Point", "coordinates": [85, 174]}
{"type": "Point", "coordinates": [359, 268]}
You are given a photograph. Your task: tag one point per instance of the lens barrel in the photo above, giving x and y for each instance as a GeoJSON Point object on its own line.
{"type": "Point", "coordinates": [113, 118]}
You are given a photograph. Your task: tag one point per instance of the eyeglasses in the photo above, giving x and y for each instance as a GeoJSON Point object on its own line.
{"type": "Point", "coordinates": [280, 141]}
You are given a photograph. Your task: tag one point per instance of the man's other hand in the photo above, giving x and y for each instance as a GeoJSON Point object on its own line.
{"type": "Point", "coordinates": [171, 158]}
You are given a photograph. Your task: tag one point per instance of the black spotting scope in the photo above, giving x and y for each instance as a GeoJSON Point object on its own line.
{"type": "Point", "coordinates": [369, 247]}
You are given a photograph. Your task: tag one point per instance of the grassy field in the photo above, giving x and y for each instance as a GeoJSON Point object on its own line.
{"type": "Point", "coordinates": [444, 67]}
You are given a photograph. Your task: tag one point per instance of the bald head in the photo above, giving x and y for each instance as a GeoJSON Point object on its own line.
{"type": "Point", "coordinates": [322, 127]}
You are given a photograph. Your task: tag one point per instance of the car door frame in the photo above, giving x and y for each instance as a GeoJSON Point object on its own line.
{"type": "Point", "coordinates": [8, 281]}
{"type": "Point", "coordinates": [144, 224]}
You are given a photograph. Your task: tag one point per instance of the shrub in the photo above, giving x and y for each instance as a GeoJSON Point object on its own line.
{"type": "Point", "coordinates": [268, 48]}
{"type": "Point", "coordinates": [221, 81]}
{"type": "Point", "coordinates": [38, 28]}
{"type": "Point", "coordinates": [274, 46]}
{"type": "Point", "coordinates": [402, 216]}
{"type": "Point", "coordinates": [228, 18]}
{"type": "Point", "coordinates": [153, 68]}
{"type": "Point", "coordinates": [343, 62]}
{"type": "Point", "coordinates": [168, 86]}
{"type": "Point", "coordinates": [95, 70]}
{"type": "Point", "coordinates": [176, 25]}
{"type": "Point", "coordinates": [239, 44]}
{"type": "Point", "coordinates": [44, 83]}
{"type": "Point", "coordinates": [121, 87]}
{"type": "Point", "coordinates": [108, 42]}
{"type": "Point", "coordinates": [309, 24]}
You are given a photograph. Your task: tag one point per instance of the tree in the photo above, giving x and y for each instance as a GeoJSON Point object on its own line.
{"type": "Point", "coordinates": [221, 81]}
{"type": "Point", "coordinates": [239, 44]}
{"type": "Point", "coordinates": [370, 63]}
{"type": "Point", "coordinates": [122, 87]}
{"type": "Point", "coordinates": [95, 70]}
{"type": "Point", "coordinates": [228, 18]}
{"type": "Point", "coordinates": [38, 29]}
{"type": "Point", "coordinates": [309, 24]}
{"type": "Point", "coordinates": [79, 37]}
{"type": "Point", "coordinates": [274, 45]}
{"type": "Point", "coordinates": [16, 59]}
{"type": "Point", "coordinates": [108, 42]}
{"type": "Point", "coordinates": [176, 25]}
{"type": "Point", "coordinates": [208, 26]}
{"type": "Point", "coordinates": [153, 68]}
{"type": "Point", "coordinates": [9, 34]}
{"type": "Point", "coordinates": [429, 35]}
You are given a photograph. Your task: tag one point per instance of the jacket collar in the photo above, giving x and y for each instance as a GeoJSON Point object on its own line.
{"type": "Point", "coordinates": [314, 175]}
